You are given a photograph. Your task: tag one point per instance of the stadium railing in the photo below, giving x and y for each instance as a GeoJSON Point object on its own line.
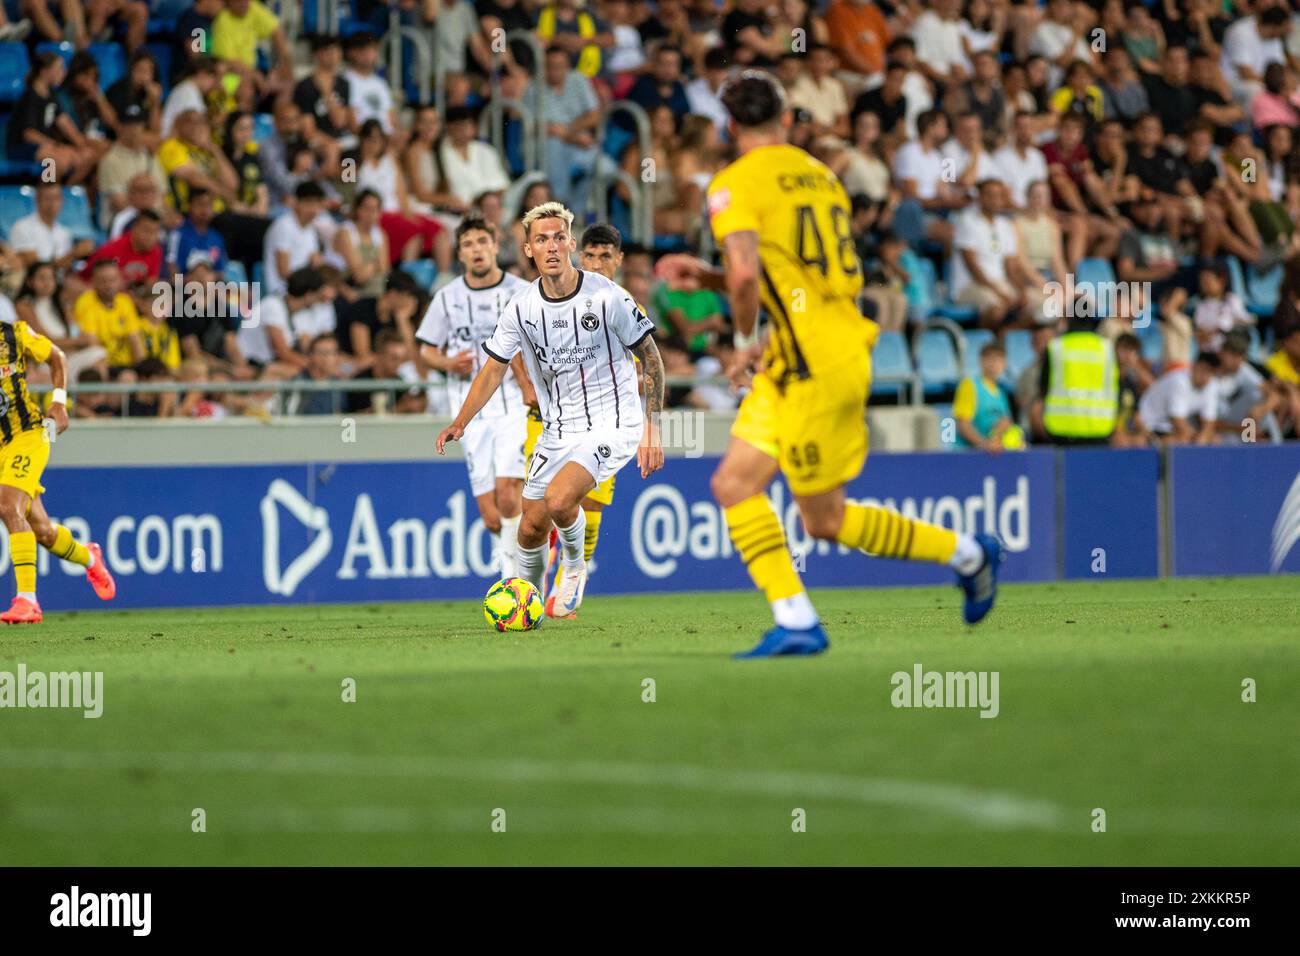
{"type": "Point", "coordinates": [281, 389]}
{"type": "Point", "coordinates": [642, 191]}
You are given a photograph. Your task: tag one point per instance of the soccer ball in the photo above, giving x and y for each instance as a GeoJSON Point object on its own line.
{"type": "Point", "coordinates": [514, 605]}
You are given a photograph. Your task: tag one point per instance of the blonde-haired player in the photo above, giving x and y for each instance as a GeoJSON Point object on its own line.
{"type": "Point", "coordinates": [601, 250]}
{"type": "Point", "coordinates": [576, 333]}
{"type": "Point", "coordinates": [783, 221]}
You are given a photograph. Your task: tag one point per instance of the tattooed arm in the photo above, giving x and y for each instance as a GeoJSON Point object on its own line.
{"type": "Point", "coordinates": [650, 455]}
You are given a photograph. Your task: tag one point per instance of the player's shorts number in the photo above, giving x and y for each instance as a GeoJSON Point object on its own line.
{"type": "Point", "coordinates": [809, 456]}
{"type": "Point", "coordinates": [536, 465]}
{"type": "Point", "coordinates": [812, 249]}
{"type": "Point", "coordinates": [20, 465]}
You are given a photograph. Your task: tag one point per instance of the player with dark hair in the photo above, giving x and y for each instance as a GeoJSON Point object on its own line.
{"type": "Point", "coordinates": [783, 221]}
{"type": "Point", "coordinates": [460, 318]}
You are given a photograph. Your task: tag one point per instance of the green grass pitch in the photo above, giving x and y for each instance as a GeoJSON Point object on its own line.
{"type": "Point", "coordinates": [1119, 696]}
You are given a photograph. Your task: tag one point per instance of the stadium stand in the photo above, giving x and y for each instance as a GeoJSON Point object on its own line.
{"type": "Point", "coordinates": [510, 128]}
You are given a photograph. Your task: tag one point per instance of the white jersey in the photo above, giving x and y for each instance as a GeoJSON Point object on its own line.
{"type": "Point", "coordinates": [577, 352]}
{"type": "Point", "coordinates": [458, 321]}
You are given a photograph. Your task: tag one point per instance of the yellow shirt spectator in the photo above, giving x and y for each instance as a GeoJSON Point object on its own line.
{"type": "Point", "coordinates": [112, 324]}
{"type": "Point", "coordinates": [175, 153]}
{"type": "Point", "coordinates": [161, 342]}
{"type": "Point", "coordinates": [1280, 364]}
{"type": "Point", "coordinates": [236, 38]}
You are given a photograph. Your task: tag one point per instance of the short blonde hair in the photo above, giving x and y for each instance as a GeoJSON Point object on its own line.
{"type": "Point", "coordinates": [547, 210]}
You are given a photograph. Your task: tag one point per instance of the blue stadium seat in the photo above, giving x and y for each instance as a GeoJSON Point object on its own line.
{"type": "Point", "coordinates": [1152, 338]}
{"type": "Point", "coordinates": [263, 127]}
{"type": "Point", "coordinates": [163, 15]}
{"type": "Point", "coordinates": [423, 271]}
{"type": "Point", "coordinates": [1257, 351]}
{"type": "Point", "coordinates": [112, 63]}
{"type": "Point", "coordinates": [1263, 289]}
{"type": "Point", "coordinates": [922, 291]}
{"type": "Point", "coordinates": [14, 169]}
{"type": "Point", "coordinates": [63, 49]}
{"type": "Point", "coordinates": [259, 272]}
{"type": "Point", "coordinates": [1019, 344]}
{"type": "Point", "coordinates": [235, 272]}
{"type": "Point", "coordinates": [162, 54]}
{"type": "Point", "coordinates": [1093, 272]}
{"type": "Point", "coordinates": [76, 213]}
{"type": "Point", "coordinates": [935, 355]}
{"type": "Point", "coordinates": [891, 371]}
{"type": "Point", "coordinates": [975, 340]}
{"type": "Point", "coordinates": [961, 314]}
{"type": "Point", "coordinates": [14, 64]}
{"type": "Point", "coordinates": [1237, 278]}
{"type": "Point", "coordinates": [15, 203]}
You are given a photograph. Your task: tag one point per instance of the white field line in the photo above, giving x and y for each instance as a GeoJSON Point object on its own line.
{"type": "Point", "coordinates": [985, 808]}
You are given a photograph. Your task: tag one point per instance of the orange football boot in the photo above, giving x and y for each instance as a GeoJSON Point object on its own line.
{"type": "Point", "coordinates": [98, 575]}
{"type": "Point", "coordinates": [22, 611]}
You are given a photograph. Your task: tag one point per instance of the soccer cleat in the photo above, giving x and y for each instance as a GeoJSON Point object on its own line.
{"type": "Point", "coordinates": [22, 611]}
{"type": "Point", "coordinates": [98, 575]}
{"type": "Point", "coordinates": [550, 611]}
{"type": "Point", "coordinates": [981, 588]}
{"type": "Point", "coordinates": [786, 642]}
{"type": "Point", "coordinates": [569, 587]}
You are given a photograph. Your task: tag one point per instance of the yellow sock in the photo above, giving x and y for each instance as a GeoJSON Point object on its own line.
{"type": "Point", "coordinates": [592, 533]}
{"type": "Point", "coordinates": [22, 551]}
{"type": "Point", "coordinates": [68, 548]}
{"type": "Point", "coordinates": [758, 536]}
{"type": "Point", "coordinates": [887, 534]}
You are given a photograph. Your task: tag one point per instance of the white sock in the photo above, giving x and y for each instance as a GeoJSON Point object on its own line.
{"type": "Point", "coordinates": [507, 542]}
{"type": "Point", "coordinates": [30, 595]}
{"type": "Point", "coordinates": [571, 540]}
{"type": "Point", "coordinates": [969, 556]}
{"type": "Point", "coordinates": [796, 613]}
{"type": "Point", "coordinates": [530, 563]}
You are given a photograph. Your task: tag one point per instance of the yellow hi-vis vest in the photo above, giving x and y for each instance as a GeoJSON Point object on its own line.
{"type": "Point", "coordinates": [589, 58]}
{"type": "Point", "coordinates": [1082, 399]}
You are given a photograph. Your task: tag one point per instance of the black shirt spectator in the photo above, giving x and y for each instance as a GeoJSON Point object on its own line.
{"type": "Point", "coordinates": [37, 112]}
{"type": "Point", "coordinates": [891, 114]}
{"type": "Point", "coordinates": [1175, 105]}
{"type": "Point", "coordinates": [1159, 171]}
{"type": "Point", "coordinates": [307, 97]}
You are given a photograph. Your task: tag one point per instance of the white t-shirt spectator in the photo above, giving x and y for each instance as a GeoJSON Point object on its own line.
{"type": "Point", "coordinates": [912, 161]}
{"type": "Point", "coordinates": [457, 22]}
{"type": "Point", "coordinates": [1243, 46]}
{"type": "Point", "coordinates": [31, 234]}
{"type": "Point", "coordinates": [254, 342]}
{"type": "Point", "coordinates": [370, 98]}
{"type": "Point", "coordinates": [1219, 316]}
{"type": "Point", "coordinates": [1019, 172]}
{"type": "Point", "coordinates": [938, 42]}
{"type": "Point", "coordinates": [286, 235]}
{"type": "Point", "coordinates": [991, 241]}
{"type": "Point", "coordinates": [184, 96]}
{"type": "Point", "coordinates": [961, 159]}
{"type": "Point", "coordinates": [1239, 393]}
{"type": "Point", "coordinates": [314, 321]}
{"type": "Point", "coordinates": [1050, 40]}
{"type": "Point", "coordinates": [704, 102]}
{"type": "Point", "coordinates": [626, 54]}
{"type": "Point", "coordinates": [8, 315]}
{"type": "Point", "coordinates": [1172, 396]}
{"type": "Point", "coordinates": [471, 176]}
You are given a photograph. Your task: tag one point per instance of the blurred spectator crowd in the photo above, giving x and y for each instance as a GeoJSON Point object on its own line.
{"type": "Point", "coordinates": [1011, 165]}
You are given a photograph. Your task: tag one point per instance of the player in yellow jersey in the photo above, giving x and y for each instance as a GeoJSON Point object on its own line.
{"type": "Point", "coordinates": [24, 452]}
{"type": "Point", "coordinates": [601, 250]}
{"type": "Point", "coordinates": [782, 220]}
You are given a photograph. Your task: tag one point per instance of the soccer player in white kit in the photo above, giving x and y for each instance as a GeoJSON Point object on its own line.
{"type": "Point", "coordinates": [576, 332]}
{"type": "Point", "coordinates": [460, 318]}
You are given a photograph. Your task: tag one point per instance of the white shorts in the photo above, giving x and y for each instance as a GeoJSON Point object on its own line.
{"type": "Point", "coordinates": [494, 448]}
{"type": "Point", "coordinates": [602, 452]}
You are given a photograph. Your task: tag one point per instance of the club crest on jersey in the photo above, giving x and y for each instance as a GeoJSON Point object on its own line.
{"type": "Point", "coordinates": [719, 200]}
{"type": "Point", "coordinates": [604, 451]}
{"type": "Point", "coordinates": [590, 322]}
{"type": "Point", "coordinates": [4, 404]}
